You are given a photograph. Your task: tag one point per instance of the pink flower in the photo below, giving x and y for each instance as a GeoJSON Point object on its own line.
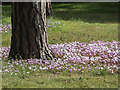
{"type": "Point", "coordinates": [70, 70]}
{"type": "Point", "coordinates": [82, 67]}
{"type": "Point", "coordinates": [58, 72]}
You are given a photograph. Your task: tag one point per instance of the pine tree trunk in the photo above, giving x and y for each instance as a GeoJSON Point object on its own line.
{"type": "Point", "coordinates": [49, 8]}
{"type": "Point", "coordinates": [29, 36]}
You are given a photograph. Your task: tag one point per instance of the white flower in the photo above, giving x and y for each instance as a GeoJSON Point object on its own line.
{"type": "Point", "coordinates": [1, 55]}
{"type": "Point", "coordinates": [30, 68]}
{"type": "Point", "coordinates": [92, 58]}
{"type": "Point", "coordinates": [109, 51]}
{"type": "Point", "coordinates": [28, 72]}
{"type": "Point", "coordinates": [101, 67]}
{"type": "Point", "coordinates": [114, 66]}
{"type": "Point", "coordinates": [44, 68]}
{"type": "Point", "coordinates": [112, 71]}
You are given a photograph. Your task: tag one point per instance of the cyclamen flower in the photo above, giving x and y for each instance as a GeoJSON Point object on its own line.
{"type": "Point", "coordinates": [58, 72]}
{"type": "Point", "coordinates": [6, 70]}
{"type": "Point", "coordinates": [89, 68]}
{"type": "Point", "coordinates": [16, 71]}
{"type": "Point", "coordinates": [82, 67]}
{"type": "Point", "coordinates": [75, 69]}
{"type": "Point", "coordinates": [101, 68]}
{"type": "Point", "coordinates": [99, 73]}
{"type": "Point", "coordinates": [67, 69]}
{"type": "Point", "coordinates": [70, 70]}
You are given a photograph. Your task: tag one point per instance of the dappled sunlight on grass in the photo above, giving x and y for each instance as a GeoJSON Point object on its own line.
{"type": "Point", "coordinates": [87, 12]}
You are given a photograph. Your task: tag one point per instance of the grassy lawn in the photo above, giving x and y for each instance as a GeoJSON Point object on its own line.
{"type": "Point", "coordinates": [82, 22]}
{"type": "Point", "coordinates": [85, 22]}
{"type": "Point", "coordinates": [64, 80]}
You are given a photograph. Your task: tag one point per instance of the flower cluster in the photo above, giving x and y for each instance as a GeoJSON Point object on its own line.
{"type": "Point", "coordinates": [97, 57]}
{"type": "Point", "coordinates": [54, 25]}
{"type": "Point", "coordinates": [5, 28]}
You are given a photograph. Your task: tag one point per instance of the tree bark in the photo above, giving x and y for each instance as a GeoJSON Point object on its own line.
{"type": "Point", "coordinates": [49, 8]}
{"type": "Point", "coordinates": [29, 36]}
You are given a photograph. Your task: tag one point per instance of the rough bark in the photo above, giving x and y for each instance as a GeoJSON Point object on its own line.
{"type": "Point", "coordinates": [29, 36]}
{"type": "Point", "coordinates": [49, 8]}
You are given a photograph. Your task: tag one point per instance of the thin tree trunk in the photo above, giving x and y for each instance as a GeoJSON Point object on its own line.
{"type": "Point", "coordinates": [49, 8]}
{"type": "Point", "coordinates": [29, 36]}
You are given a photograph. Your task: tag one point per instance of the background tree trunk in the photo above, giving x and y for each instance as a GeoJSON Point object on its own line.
{"type": "Point", "coordinates": [29, 36]}
{"type": "Point", "coordinates": [49, 8]}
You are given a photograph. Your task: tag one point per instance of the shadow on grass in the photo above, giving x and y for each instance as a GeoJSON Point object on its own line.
{"type": "Point", "coordinates": [6, 13]}
{"type": "Point", "coordinates": [91, 12]}
{"type": "Point", "coordinates": [87, 12]}
{"type": "Point", "coordinates": [6, 10]}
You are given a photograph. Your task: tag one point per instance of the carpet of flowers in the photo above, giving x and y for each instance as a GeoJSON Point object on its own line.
{"type": "Point", "coordinates": [97, 57]}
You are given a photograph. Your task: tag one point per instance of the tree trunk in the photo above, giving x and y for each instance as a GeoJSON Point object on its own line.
{"type": "Point", "coordinates": [49, 8]}
{"type": "Point", "coordinates": [29, 36]}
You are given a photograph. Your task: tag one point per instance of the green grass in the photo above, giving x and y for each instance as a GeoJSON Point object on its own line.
{"type": "Point", "coordinates": [87, 12]}
{"type": "Point", "coordinates": [83, 32]}
{"type": "Point", "coordinates": [6, 14]}
{"type": "Point", "coordinates": [6, 39]}
{"type": "Point", "coordinates": [84, 22]}
{"type": "Point", "coordinates": [49, 80]}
